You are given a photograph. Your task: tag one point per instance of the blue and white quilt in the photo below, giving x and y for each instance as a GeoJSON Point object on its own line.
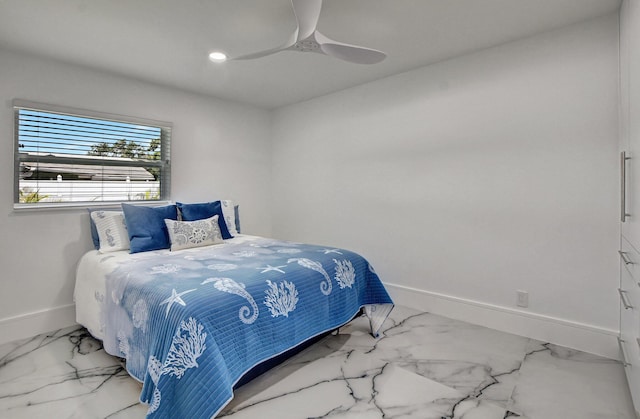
{"type": "Point", "coordinates": [191, 323]}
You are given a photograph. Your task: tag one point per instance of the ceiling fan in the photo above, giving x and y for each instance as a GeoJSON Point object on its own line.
{"type": "Point", "coordinates": [306, 38]}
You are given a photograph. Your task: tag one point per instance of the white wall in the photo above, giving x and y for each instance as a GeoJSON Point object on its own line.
{"type": "Point", "coordinates": [467, 180]}
{"type": "Point", "coordinates": [219, 150]}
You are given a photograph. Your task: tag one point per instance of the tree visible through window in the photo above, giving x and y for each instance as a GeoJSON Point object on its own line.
{"type": "Point", "coordinates": [63, 156]}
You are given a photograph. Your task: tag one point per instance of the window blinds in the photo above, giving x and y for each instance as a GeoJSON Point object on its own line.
{"type": "Point", "coordinates": [66, 155]}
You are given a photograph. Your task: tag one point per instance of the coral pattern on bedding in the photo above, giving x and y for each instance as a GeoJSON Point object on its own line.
{"type": "Point", "coordinates": [190, 323]}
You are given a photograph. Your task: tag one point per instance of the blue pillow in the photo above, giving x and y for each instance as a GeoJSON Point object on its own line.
{"type": "Point", "coordinates": [94, 232]}
{"type": "Point", "coordinates": [237, 214]}
{"type": "Point", "coordinates": [146, 227]}
{"type": "Point", "coordinates": [194, 212]}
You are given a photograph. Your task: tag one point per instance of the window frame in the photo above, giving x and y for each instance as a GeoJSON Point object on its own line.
{"type": "Point", "coordinates": [164, 164]}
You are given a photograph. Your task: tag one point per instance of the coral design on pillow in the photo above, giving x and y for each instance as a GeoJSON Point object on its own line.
{"type": "Point", "coordinates": [187, 234]}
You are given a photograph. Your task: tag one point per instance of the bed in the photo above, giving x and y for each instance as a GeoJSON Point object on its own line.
{"type": "Point", "coordinates": [191, 323]}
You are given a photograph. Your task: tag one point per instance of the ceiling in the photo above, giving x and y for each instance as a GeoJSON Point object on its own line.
{"type": "Point", "coordinates": [168, 41]}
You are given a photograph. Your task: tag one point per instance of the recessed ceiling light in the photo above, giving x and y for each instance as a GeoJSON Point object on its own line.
{"type": "Point", "coordinates": [218, 57]}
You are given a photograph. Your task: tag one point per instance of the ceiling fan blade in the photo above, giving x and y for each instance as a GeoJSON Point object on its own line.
{"type": "Point", "coordinates": [347, 52]}
{"type": "Point", "coordinates": [307, 13]}
{"type": "Point", "coordinates": [258, 54]}
{"type": "Point", "coordinates": [290, 42]}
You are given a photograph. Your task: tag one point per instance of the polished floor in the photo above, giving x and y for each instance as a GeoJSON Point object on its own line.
{"type": "Point", "coordinates": [424, 366]}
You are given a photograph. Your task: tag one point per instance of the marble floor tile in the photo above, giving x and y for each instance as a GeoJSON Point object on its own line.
{"type": "Point", "coordinates": [475, 360]}
{"type": "Point", "coordinates": [351, 384]}
{"type": "Point", "coordinates": [554, 379]}
{"type": "Point", "coordinates": [65, 375]}
{"type": "Point", "coordinates": [423, 366]}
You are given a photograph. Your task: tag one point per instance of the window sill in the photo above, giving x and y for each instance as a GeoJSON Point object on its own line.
{"type": "Point", "coordinates": [82, 205]}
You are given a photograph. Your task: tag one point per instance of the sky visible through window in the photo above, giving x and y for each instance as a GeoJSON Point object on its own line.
{"type": "Point", "coordinates": [53, 133]}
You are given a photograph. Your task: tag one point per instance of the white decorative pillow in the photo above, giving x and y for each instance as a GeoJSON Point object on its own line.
{"type": "Point", "coordinates": [229, 216]}
{"type": "Point", "coordinates": [112, 230]}
{"type": "Point", "coordinates": [186, 234]}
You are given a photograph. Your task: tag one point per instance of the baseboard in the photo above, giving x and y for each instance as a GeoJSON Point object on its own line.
{"type": "Point", "coordinates": [31, 324]}
{"type": "Point", "coordinates": [567, 333]}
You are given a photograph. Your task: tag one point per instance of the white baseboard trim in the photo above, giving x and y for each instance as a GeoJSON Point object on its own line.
{"type": "Point", "coordinates": [584, 337]}
{"type": "Point", "coordinates": [32, 324]}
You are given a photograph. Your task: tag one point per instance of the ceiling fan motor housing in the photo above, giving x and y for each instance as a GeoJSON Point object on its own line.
{"type": "Point", "coordinates": [307, 45]}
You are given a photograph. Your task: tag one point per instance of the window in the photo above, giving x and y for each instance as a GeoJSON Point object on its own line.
{"type": "Point", "coordinates": [68, 157]}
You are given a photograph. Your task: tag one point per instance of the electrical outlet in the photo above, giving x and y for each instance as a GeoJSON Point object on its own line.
{"type": "Point", "coordinates": [522, 298]}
